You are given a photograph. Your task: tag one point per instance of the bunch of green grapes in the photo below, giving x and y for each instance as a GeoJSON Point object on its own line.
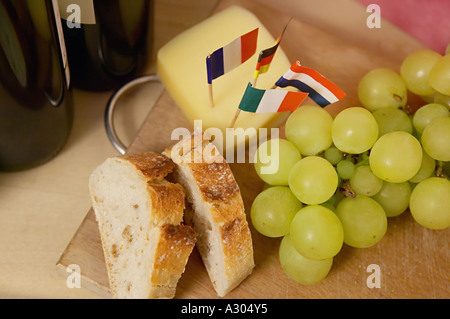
{"type": "Point", "coordinates": [336, 181]}
{"type": "Point", "coordinates": [413, 150]}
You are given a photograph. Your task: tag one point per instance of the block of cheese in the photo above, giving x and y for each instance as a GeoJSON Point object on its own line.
{"type": "Point", "coordinates": [181, 67]}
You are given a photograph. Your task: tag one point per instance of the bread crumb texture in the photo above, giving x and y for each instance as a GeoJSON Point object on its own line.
{"type": "Point", "coordinates": [140, 214]}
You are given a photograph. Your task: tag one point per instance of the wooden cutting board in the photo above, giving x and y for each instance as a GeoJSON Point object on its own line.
{"type": "Point", "coordinates": [412, 261]}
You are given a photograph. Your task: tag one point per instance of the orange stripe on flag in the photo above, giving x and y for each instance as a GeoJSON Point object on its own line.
{"type": "Point", "coordinates": [248, 44]}
{"type": "Point", "coordinates": [333, 88]}
{"type": "Point", "coordinates": [292, 101]}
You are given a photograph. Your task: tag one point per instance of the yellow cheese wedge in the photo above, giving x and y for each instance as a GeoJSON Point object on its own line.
{"type": "Point", "coordinates": [181, 65]}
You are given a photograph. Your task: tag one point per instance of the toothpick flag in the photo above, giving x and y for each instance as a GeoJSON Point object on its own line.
{"type": "Point", "coordinates": [266, 57]}
{"type": "Point", "coordinates": [320, 89]}
{"type": "Point", "coordinates": [270, 101]}
{"type": "Point", "coordinates": [232, 55]}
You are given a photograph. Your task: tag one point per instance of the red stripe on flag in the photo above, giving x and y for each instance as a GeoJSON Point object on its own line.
{"type": "Point", "coordinates": [264, 61]}
{"type": "Point", "coordinates": [267, 60]}
{"type": "Point", "coordinates": [292, 101]}
{"type": "Point", "coordinates": [248, 44]}
{"type": "Point", "coordinates": [333, 88]}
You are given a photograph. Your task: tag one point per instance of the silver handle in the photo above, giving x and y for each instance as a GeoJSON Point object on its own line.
{"type": "Point", "coordinates": [109, 113]}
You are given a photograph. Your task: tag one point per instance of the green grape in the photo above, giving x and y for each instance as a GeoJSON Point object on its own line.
{"type": "Point", "coordinates": [274, 159]}
{"type": "Point", "coordinates": [416, 68]}
{"type": "Point", "coordinates": [436, 139]}
{"type": "Point", "coordinates": [429, 98]}
{"type": "Point", "coordinates": [364, 182]}
{"type": "Point", "coordinates": [396, 157]}
{"type": "Point", "coordinates": [426, 169]}
{"type": "Point", "coordinates": [363, 219]}
{"type": "Point", "coordinates": [381, 88]}
{"type": "Point", "coordinates": [391, 119]}
{"type": "Point", "coordinates": [426, 114]}
{"type": "Point", "coordinates": [333, 155]}
{"type": "Point", "coordinates": [273, 209]}
{"type": "Point", "coordinates": [345, 169]}
{"type": "Point", "coordinates": [300, 269]}
{"type": "Point", "coordinates": [393, 197]}
{"type": "Point", "coordinates": [316, 232]}
{"type": "Point", "coordinates": [354, 130]}
{"type": "Point", "coordinates": [430, 203]}
{"type": "Point", "coordinates": [309, 128]}
{"type": "Point", "coordinates": [439, 77]}
{"type": "Point", "coordinates": [313, 180]}
{"type": "Point", "coordinates": [443, 99]}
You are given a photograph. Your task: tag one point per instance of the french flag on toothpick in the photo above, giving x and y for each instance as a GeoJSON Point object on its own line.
{"type": "Point", "coordinates": [232, 55]}
{"type": "Point", "coordinates": [320, 89]}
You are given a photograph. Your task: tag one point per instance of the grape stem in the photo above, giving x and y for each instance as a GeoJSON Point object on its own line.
{"type": "Point", "coordinates": [439, 172]}
{"type": "Point", "coordinates": [408, 109]}
{"type": "Point", "coordinates": [358, 159]}
{"type": "Point", "coordinates": [346, 189]}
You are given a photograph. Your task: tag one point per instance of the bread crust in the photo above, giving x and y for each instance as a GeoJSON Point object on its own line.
{"type": "Point", "coordinates": [153, 166]}
{"type": "Point", "coordinates": [167, 199]}
{"type": "Point", "coordinates": [220, 193]}
{"type": "Point", "coordinates": [175, 244]}
{"type": "Point", "coordinates": [167, 202]}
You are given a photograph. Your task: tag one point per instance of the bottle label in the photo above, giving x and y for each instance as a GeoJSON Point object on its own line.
{"type": "Point", "coordinates": [62, 43]}
{"type": "Point", "coordinates": [77, 12]}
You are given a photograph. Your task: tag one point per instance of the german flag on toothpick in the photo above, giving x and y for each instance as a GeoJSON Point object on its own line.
{"type": "Point", "coordinates": [266, 57]}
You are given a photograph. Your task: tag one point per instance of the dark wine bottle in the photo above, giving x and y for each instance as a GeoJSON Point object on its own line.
{"type": "Point", "coordinates": [107, 40]}
{"type": "Point", "coordinates": [36, 110]}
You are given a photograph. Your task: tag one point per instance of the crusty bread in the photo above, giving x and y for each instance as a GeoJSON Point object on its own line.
{"type": "Point", "coordinates": [140, 216]}
{"type": "Point", "coordinates": [217, 216]}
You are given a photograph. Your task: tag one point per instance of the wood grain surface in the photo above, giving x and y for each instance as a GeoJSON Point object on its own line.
{"type": "Point", "coordinates": [413, 261]}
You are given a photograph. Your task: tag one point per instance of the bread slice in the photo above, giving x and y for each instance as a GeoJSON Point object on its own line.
{"type": "Point", "coordinates": [140, 216]}
{"type": "Point", "coordinates": [217, 216]}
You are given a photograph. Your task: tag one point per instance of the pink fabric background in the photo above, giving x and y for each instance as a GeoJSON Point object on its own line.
{"type": "Point", "coordinates": [426, 20]}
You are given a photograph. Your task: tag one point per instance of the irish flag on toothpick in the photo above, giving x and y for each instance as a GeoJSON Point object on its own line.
{"type": "Point", "coordinates": [270, 101]}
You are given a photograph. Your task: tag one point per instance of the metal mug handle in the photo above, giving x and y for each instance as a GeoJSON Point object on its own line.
{"type": "Point", "coordinates": [110, 106]}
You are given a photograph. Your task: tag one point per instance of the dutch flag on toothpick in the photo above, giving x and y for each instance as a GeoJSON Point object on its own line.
{"type": "Point", "coordinates": [320, 89]}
